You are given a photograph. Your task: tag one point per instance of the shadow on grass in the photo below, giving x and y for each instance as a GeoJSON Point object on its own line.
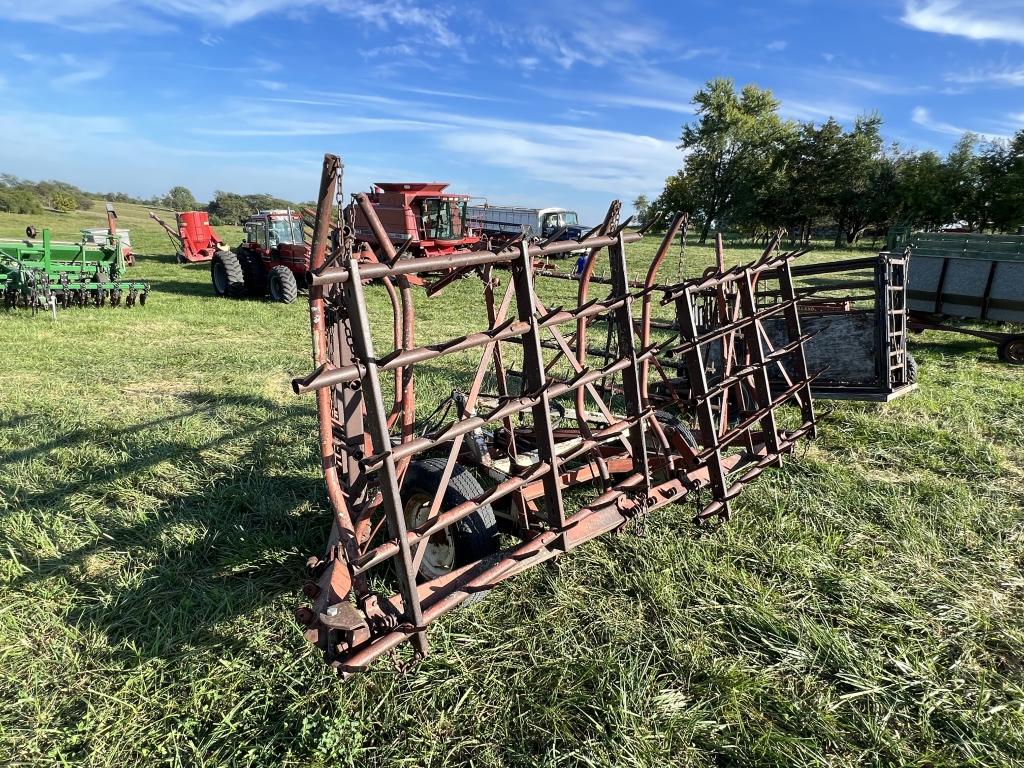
{"type": "Point", "coordinates": [950, 344]}
{"type": "Point", "coordinates": [183, 288]}
{"type": "Point", "coordinates": [229, 543]}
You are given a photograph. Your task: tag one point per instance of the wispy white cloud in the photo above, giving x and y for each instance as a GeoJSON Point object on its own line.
{"type": "Point", "coordinates": [585, 159]}
{"type": "Point", "coordinates": [797, 109]}
{"type": "Point", "coordinates": [153, 15]}
{"type": "Point", "coordinates": [573, 156]}
{"type": "Point", "coordinates": [922, 116]}
{"type": "Point", "coordinates": [295, 126]}
{"type": "Point", "coordinates": [646, 102]}
{"type": "Point", "coordinates": [80, 76]}
{"type": "Point", "coordinates": [528, 63]}
{"type": "Point", "coordinates": [777, 45]}
{"type": "Point", "coordinates": [270, 85]}
{"type": "Point", "coordinates": [1004, 76]}
{"type": "Point", "coordinates": [973, 19]}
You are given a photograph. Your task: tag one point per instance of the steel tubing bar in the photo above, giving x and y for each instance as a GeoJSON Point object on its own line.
{"type": "Point", "coordinates": [378, 429]}
{"type": "Point", "coordinates": [333, 275]}
{"type": "Point", "coordinates": [513, 406]}
{"type": "Point", "coordinates": [329, 376]}
{"type": "Point", "coordinates": [536, 381]}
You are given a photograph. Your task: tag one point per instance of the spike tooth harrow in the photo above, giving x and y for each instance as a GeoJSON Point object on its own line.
{"type": "Point", "coordinates": [42, 274]}
{"type": "Point", "coordinates": [415, 532]}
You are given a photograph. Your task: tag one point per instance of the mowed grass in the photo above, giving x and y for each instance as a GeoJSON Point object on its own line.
{"type": "Point", "coordinates": [159, 494]}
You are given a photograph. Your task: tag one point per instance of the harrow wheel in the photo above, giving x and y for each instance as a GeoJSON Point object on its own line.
{"type": "Point", "coordinates": [283, 287]}
{"type": "Point", "coordinates": [470, 539]}
{"type": "Point", "coordinates": [1011, 350]}
{"type": "Point", "coordinates": [226, 273]}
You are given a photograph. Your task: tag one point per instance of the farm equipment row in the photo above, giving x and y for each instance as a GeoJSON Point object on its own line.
{"type": "Point", "coordinates": [543, 444]}
{"type": "Point", "coordinates": [44, 274]}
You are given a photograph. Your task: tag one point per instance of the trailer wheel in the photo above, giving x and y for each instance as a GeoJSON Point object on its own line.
{"type": "Point", "coordinates": [227, 276]}
{"type": "Point", "coordinates": [472, 538]}
{"type": "Point", "coordinates": [283, 287]}
{"type": "Point", "coordinates": [254, 273]}
{"type": "Point", "coordinates": [911, 369]}
{"type": "Point", "coordinates": [1011, 350]}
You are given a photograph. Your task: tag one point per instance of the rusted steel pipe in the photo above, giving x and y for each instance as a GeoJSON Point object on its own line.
{"type": "Point", "coordinates": [506, 331]}
{"type": "Point", "coordinates": [420, 264]}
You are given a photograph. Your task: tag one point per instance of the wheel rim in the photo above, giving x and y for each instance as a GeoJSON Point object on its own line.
{"type": "Point", "coordinates": [439, 557]}
{"type": "Point", "coordinates": [275, 287]}
{"type": "Point", "coordinates": [220, 278]}
{"type": "Point", "coordinates": [1015, 352]}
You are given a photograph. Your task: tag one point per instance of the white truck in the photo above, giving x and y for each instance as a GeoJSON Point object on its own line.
{"type": "Point", "coordinates": [507, 221]}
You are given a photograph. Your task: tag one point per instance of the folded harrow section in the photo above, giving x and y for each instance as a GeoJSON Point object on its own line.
{"type": "Point", "coordinates": [546, 447]}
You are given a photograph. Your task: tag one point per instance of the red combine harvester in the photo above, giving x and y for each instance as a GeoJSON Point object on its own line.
{"type": "Point", "coordinates": [417, 216]}
{"type": "Point", "coordinates": [195, 240]}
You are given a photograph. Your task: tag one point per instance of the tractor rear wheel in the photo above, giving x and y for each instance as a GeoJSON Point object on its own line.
{"type": "Point", "coordinates": [283, 287]}
{"type": "Point", "coordinates": [254, 272]}
{"type": "Point", "coordinates": [226, 273]}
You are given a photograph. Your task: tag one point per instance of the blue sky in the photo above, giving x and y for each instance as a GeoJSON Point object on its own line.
{"type": "Point", "coordinates": [566, 103]}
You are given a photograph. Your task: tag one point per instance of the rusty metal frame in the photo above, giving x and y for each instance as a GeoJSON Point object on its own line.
{"type": "Point", "coordinates": [618, 450]}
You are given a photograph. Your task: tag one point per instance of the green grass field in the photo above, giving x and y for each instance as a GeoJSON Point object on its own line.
{"type": "Point", "coordinates": [160, 492]}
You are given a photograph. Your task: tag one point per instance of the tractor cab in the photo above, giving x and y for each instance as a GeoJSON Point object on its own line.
{"type": "Point", "coordinates": [267, 230]}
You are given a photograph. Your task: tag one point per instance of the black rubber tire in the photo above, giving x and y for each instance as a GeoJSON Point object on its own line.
{"type": "Point", "coordinates": [1011, 350]}
{"type": "Point", "coordinates": [474, 536]}
{"type": "Point", "coordinates": [254, 273]}
{"type": "Point", "coordinates": [282, 285]}
{"type": "Point", "coordinates": [911, 369]}
{"type": "Point", "coordinates": [671, 423]}
{"type": "Point", "coordinates": [227, 276]}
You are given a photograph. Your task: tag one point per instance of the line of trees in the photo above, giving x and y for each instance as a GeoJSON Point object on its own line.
{"type": "Point", "coordinates": [31, 197]}
{"type": "Point", "coordinates": [21, 196]}
{"type": "Point", "coordinates": [747, 169]}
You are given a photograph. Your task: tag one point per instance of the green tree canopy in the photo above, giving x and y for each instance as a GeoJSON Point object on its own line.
{"type": "Point", "coordinates": [180, 199]}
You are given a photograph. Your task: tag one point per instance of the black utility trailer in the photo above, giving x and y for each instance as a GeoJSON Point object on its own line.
{"type": "Point", "coordinates": [972, 277]}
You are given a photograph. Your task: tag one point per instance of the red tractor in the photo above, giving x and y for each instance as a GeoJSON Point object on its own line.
{"type": "Point", "coordinates": [273, 258]}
